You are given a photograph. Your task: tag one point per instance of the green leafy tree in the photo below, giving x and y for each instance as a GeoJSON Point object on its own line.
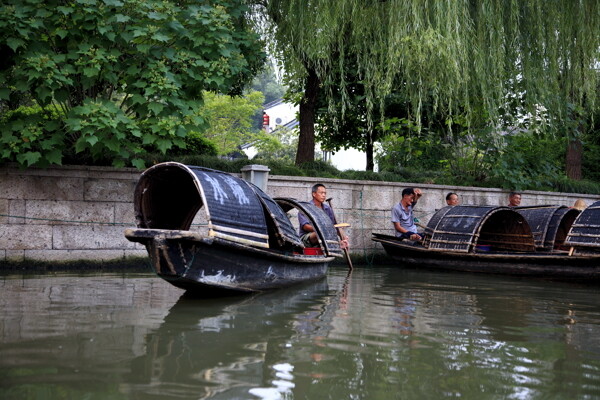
{"type": "Point", "coordinates": [281, 144]}
{"type": "Point", "coordinates": [342, 120]}
{"type": "Point", "coordinates": [114, 78]}
{"type": "Point", "coordinates": [230, 119]}
{"type": "Point", "coordinates": [267, 83]}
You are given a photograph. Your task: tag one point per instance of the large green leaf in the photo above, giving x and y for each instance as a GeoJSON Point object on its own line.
{"type": "Point", "coordinates": [29, 158]}
{"type": "Point", "coordinates": [15, 43]}
{"type": "Point", "coordinates": [54, 156]}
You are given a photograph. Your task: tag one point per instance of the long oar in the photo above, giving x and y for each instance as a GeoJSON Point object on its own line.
{"type": "Point", "coordinates": [340, 232]}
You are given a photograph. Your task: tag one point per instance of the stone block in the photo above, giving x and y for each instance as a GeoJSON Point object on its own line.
{"type": "Point", "coordinates": [16, 209]}
{"type": "Point", "coordinates": [142, 253]}
{"type": "Point", "coordinates": [432, 200]}
{"type": "Point", "coordinates": [109, 190]}
{"type": "Point", "coordinates": [32, 187]}
{"type": "Point", "coordinates": [360, 240]}
{"type": "Point", "coordinates": [299, 193]}
{"type": "Point", "coordinates": [368, 219]}
{"type": "Point", "coordinates": [125, 215]}
{"type": "Point", "coordinates": [25, 237]}
{"type": "Point", "coordinates": [373, 198]}
{"type": "Point", "coordinates": [131, 174]}
{"type": "Point", "coordinates": [86, 237]}
{"type": "Point", "coordinates": [343, 215]}
{"type": "Point", "coordinates": [84, 255]}
{"type": "Point", "coordinates": [15, 255]}
{"type": "Point", "coordinates": [340, 198]}
{"type": "Point", "coordinates": [61, 212]}
{"type": "Point", "coordinates": [137, 247]}
{"type": "Point", "coordinates": [488, 199]}
{"type": "Point", "coordinates": [4, 211]}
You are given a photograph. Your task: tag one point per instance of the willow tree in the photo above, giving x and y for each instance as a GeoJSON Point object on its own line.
{"type": "Point", "coordinates": [463, 56]}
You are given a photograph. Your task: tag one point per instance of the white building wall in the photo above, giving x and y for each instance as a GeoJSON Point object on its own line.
{"type": "Point", "coordinates": [280, 114]}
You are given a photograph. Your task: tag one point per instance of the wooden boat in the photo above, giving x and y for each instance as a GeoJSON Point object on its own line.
{"type": "Point", "coordinates": [213, 233]}
{"type": "Point", "coordinates": [499, 240]}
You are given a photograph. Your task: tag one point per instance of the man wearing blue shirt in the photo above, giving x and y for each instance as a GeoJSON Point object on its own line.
{"type": "Point", "coordinates": [402, 215]}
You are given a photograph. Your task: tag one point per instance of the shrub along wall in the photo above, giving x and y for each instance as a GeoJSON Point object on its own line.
{"type": "Point", "coordinates": [79, 213]}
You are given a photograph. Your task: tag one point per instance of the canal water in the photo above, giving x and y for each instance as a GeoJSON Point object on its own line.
{"type": "Point", "coordinates": [378, 333]}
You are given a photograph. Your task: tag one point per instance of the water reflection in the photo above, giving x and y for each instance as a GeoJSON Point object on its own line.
{"type": "Point", "coordinates": [378, 333]}
{"type": "Point", "coordinates": [510, 337]}
{"type": "Point", "coordinates": [222, 347]}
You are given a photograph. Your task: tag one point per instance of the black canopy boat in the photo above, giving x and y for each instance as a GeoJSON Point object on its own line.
{"type": "Point", "coordinates": [212, 233]}
{"type": "Point", "coordinates": [499, 240]}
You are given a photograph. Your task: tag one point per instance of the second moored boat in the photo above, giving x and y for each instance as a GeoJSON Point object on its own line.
{"type": "Point", "coordinates": [563, 244]}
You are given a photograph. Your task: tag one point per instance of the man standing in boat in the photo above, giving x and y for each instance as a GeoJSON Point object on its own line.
{"type": "Point", "coordinates": [307, 232]}
{"type": "Point", "coordinates": [402, 215]}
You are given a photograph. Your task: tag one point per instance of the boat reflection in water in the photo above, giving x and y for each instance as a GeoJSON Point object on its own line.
{"type": "Point", "coordinates": [217, 348]}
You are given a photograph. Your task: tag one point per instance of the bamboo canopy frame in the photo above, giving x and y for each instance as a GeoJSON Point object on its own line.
{"type": "Point", "coordinates": [466, 228]}
{"type": "Point", "coordinates": [585, 231]}
{"type": "Point", "coordinates": [549, 224]}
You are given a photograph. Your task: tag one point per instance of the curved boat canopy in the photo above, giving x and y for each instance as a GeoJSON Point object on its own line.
{"type": "Point", "coordinates": [169, 195]}
{"type": "Point", "coordinates": [467, 229]}
{"type": "Point", "coordinates": [585, 231]}
{"type": "Point", "coordinates": [549, 224]}
{"type": "Point", "coordinates": [326, 233]}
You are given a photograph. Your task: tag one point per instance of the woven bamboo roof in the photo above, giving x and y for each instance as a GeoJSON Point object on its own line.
{"type": "Point", "coordinates": [467, 228]}
{"type": "Point", "coordinates": [585, 231]}
{"type": "Point", "coordinates": [549, 224]}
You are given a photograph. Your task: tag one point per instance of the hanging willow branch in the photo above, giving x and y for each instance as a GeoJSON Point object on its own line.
{"type": "Point", "coordinates": [460, 55]}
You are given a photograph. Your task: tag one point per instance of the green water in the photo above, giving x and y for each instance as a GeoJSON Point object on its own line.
{"type": "Point", "coordinates": [380, 333]}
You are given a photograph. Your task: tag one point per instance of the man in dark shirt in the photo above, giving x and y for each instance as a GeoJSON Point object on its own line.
{"type": "Point", "coordinates": [306, 230]}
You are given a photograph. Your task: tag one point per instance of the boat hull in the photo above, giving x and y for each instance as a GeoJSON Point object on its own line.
{"type": "Point", "coordinates": [545, 265]}
{"type": "Point", "coordinates": [215, 266]}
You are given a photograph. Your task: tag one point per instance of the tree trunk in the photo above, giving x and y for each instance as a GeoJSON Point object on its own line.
{"type": "Point", "coordinates": [574, 152]}
{"type": "Point", "coordinates": [306, 140]}
{"type": "Point", "coordinates": [369, 151]}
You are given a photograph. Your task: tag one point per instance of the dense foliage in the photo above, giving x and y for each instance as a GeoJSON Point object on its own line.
{"type": "Point", "coordinates": [111, 79]}
{"type": "Point", "coordinates": [230, 120]}
{"type": "Point", "coordinates": [281, 145]}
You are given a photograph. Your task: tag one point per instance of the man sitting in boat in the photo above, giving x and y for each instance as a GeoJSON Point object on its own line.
{"type": "Point", "coordinates": [402, 215]}
{"type": "Point", "coordinates": [514, 199]}
{"type": "Point", "coordinates": [306, 231]}
{"type": "Point", "coordinates": [452, 199]}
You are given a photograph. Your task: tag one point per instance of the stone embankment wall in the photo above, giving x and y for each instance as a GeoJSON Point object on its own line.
{"type": "Point", "coordinates": [80, 213]}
